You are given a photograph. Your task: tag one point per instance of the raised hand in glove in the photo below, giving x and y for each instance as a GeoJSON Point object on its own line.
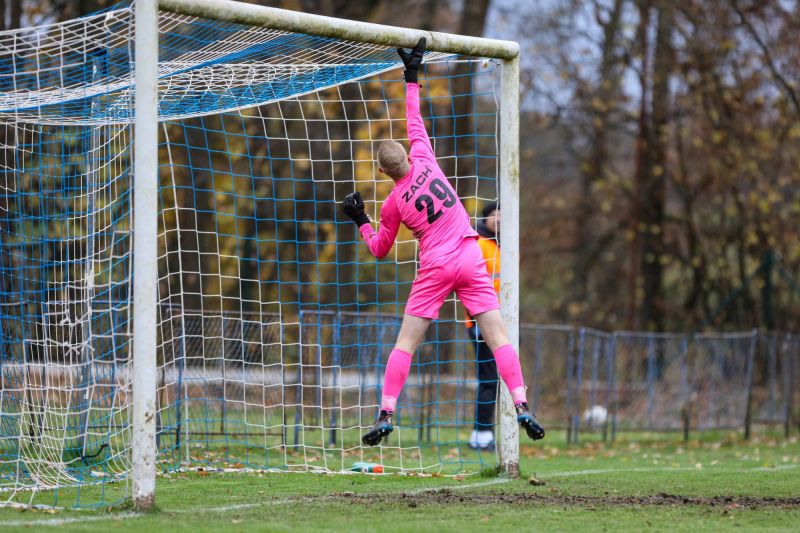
{"type": "Point", "coordinates": [353, 207]}
{"type": "Point", "coordinates": [412, 60]}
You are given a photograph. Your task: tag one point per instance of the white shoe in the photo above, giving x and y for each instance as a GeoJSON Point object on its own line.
{"type": "Point", "coordinates": [483, 440]}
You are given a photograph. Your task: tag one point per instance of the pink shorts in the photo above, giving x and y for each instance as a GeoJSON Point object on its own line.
{"type": "Point", "coordinates": [464, 272]}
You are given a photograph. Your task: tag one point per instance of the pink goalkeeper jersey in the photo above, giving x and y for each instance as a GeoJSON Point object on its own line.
{"type": "Point", "coordinates": [423, 199]}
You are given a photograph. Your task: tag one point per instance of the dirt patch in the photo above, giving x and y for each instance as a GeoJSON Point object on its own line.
{"type": "Point", "coordinates": [439, 497]}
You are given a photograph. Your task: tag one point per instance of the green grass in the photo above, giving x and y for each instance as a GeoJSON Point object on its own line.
{"type": "Point", "coordinates": [639, 482]}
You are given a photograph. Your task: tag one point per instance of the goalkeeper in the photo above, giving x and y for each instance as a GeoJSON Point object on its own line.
{"type": "Point", "coordinates": [449, 258]}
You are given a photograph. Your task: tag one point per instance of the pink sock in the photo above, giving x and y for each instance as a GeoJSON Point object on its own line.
{"type": "Point", "coordinates": [510, 370]}
{"type": "Point", "coordinates": [394, 378]}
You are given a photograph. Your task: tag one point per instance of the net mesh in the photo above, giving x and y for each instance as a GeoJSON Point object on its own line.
{"type": "Point", "coordinates": [274, 322]}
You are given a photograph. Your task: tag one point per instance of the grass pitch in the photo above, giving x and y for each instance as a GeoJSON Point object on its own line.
{"type": "Point", "coordinates": [642, 481]}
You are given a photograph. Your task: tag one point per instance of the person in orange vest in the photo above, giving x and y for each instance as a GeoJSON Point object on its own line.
{"type": "Point", "coordinates": [483, 435]}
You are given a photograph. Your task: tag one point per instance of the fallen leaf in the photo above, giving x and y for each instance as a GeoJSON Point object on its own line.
{"type": "Point", "coordinates": [536, 482]}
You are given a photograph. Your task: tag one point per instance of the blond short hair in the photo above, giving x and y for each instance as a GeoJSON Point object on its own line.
{"type": "Point", "coordinates": [392, 159]}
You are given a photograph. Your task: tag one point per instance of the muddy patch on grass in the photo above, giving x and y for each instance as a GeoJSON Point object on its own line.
{"type": "Point", "coordinates": [439, 497]}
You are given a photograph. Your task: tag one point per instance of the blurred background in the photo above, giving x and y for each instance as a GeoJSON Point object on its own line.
{"type": "Point", "coordinates": [659, 151]}
{"type": "Point", "coordinates": [660, 182]}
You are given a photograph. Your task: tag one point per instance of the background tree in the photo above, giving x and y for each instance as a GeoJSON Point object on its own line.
{"type": "Point", "coordinates": [659, 155]}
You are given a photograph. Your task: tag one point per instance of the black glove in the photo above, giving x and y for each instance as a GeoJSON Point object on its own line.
{"type": "Point", "coordinates": [412, 60]}
{"type": "Point", "coordinates": [353, 206]}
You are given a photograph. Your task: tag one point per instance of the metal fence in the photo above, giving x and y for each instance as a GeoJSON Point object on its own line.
{"type": "Point", "coordinates": [599, 381]}
{"type": "Point", "coordinates": [324, 369]}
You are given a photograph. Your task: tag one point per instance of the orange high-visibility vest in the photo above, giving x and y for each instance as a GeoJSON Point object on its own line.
{"type": "Point", "coordinates": [491, 254]}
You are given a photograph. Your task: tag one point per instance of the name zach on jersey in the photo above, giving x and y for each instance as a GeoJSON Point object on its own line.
{"type": "Point", "coordinates": [419, 181]}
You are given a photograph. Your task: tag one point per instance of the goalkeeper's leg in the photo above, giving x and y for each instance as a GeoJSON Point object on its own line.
{"type": "Point", "coordinates": [411, 334]}
{"type": "Point", "coordinates": [477, 294]}
{"type": "Point", "coordinates": [508, 366]}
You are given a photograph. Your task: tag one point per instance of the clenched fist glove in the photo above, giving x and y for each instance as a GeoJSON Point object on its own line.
{"type": "Point", "coordinates": [412, 60]}
{"type": "Point", "coordinates": [353, 207]}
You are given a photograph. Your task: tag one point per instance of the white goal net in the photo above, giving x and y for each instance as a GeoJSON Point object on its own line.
{"type": "Point", "coordinates": [274, 323]}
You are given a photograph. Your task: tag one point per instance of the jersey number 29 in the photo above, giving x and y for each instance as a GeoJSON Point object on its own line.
{"type": "Point", "coordinates": [440, 191]}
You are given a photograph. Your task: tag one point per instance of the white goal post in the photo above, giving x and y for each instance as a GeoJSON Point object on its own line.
{"type": "Point", "coordinates": [146, 198]}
